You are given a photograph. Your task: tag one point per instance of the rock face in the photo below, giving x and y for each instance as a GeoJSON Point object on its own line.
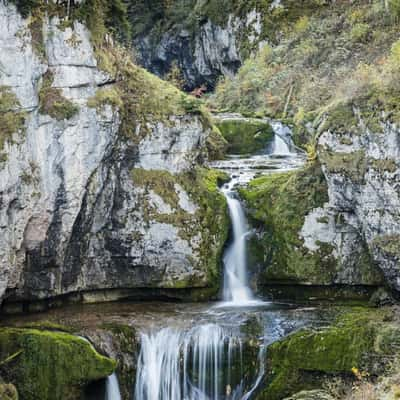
{"type": "Point", "coordinates": [300, 245]}
{"type": "Point", "coordinates": [72, 217]}
{"type": "Point", "coordinates": [362, 172]}
{"type": "Point", "coordinates": [202, 48]}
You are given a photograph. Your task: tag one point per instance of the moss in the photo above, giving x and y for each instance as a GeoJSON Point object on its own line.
{"type": "Point", "coordinates": [216, 144]}
{"type": "Point", "coordinates": [389, 244]}
{"type": "Point", "coordinates": [278, 203]}
{"type": "Point", "coordinates": [386, 165]}
{"type": "Point", "coordinates": [210, 219]}
{"type": "Point", "coordinates": [302, 361]}
{"type": "Point", "coordinates": [352, 165]}
{"type": "Point", "coordinates": [50, 365]}
{"type": "Point", "coordinates": [124, 337]}
{"type": "Point", "coordinates": [245, 136]}
{"type": "Point", "coordinates": [106, 96]}
{"type": "Point", "coordinates": [12, 119]}
{"type": "Point", "coordinates": [53, 103]}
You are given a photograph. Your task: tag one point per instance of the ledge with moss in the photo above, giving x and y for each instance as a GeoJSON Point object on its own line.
{"type": "Point", "coordinates": [209, 219]}
{"type": "Point", "coordinates": [50, 365]}
{"type": "Point", "coordinates": [245, 135]}
{"type": "Point", "coordinates": [362, 340]}
{"type": "Point", "coordinates": [278, 205]}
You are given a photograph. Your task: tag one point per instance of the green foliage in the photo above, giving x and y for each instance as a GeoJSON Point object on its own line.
{"type": "Point", "coordinates": [245, 136]}
{"type": "Point", "coordinates": [51, 365]}
{"type": "Point", "coordinates": [359, 32]}
{"type": "Point", "coordinates": [308, 69]}
{"type": "Point", "coordinates": [53, 103]}
{"type": "Point", "coordinates": [12, 119]}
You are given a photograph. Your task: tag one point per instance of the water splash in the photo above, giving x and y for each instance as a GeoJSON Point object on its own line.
{"type": "Point", "coordinates": [112, 388]}
{"type": "Point", "coordinates": [204, 363]}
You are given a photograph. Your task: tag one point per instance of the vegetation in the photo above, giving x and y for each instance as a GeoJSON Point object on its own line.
{"type": "Point", "coordinates": [52, 102]}
{"type": "Point", "coordinates": [360, 340]}
{"type": "Point", "coordinates": [210, 218]}
{"type": "Point", "coordinates": [245, 136]}
{"type": "Point", "coordinates": [307, 73]}
{"type": "Point", "coordinates": [278, 205]}
{"type": "Point", "coordinates": [12, 119]}
{"type": "Point", "coordinates": [50, 365]}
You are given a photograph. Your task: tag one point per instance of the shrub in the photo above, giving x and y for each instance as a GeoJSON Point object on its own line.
{"type": "Point", "coordinates": [359, 32]}
{"type": "Point", "coordinates": [53, 103]}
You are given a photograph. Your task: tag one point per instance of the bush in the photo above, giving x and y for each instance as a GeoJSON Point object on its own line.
{"type": "Point", "coordinates": [359, 32]}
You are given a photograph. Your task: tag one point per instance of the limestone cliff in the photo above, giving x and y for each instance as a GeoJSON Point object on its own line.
{"type": "Point", "coordinates": [74, 217]}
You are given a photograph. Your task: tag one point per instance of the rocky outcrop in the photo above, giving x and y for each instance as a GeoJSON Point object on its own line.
{"type": "Point", "coordinates": [358, 345]}
{"type": "Point", "coordinates": [73, 217]}
{"type": "Point", "coordinates": [362, 171]}
{"type": "Point", "coordinates": [202, 47]}
{"type": "Point", "coordinates": [50, 365]}
{"type": "Point", "coordinates": [300, 251]}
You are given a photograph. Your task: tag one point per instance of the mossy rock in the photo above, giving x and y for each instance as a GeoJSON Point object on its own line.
{"type": "Point", "coordinates": [278, 204]}
{"type": "Point", "coordinates": [359, 340]}
{"type": "Point", "coordinates": [50, 365]}
{"type": "Point", "coordinates": [245, 135]}
{"type": "Point", "coordinates": [210, 218]}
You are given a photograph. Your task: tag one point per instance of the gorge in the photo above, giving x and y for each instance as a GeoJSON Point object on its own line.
{"type": "Point", "coordinates": [199, 200]}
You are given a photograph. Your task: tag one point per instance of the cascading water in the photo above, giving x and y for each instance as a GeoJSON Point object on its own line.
{"type": "Point", "coordinates": [281, 139]}
{"type": "Point", "coordinates": [206, 361]}
{"type": "Point", "coordinates": [203, 363]}
{"type": "Point", "coordinates": [112, 388]}
{"type": "Point", "coordinates": [236, 288]}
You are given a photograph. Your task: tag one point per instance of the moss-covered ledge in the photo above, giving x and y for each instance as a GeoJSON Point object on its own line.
{"type": "Point", "coordinates": [50, 365]}
{"type": "Point", "coordinates": [245, 135]}
{"type": "Point", "coordinates": [363, 340]}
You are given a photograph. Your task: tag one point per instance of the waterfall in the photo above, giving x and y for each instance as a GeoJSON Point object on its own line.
{"type": "Point", "coordinates": [112, 388]}
{"type": "Point", "coordinates": [204, 363]}
{"type": "Point", "coordinates": [282, 139]}
{"type": "Point", "coordinates": [236, 288]}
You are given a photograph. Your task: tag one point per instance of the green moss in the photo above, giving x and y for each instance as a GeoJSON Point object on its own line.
{"type": "Point", "coordinates": [352, 165]}
{"type": "Point", "coordinates": [389, 244]}
{"type": "Point", "coordinates": [279, 203]}
{"type": "Point", "coordinates": [359, 339]}
{"type": "Point", "coordinates": [12, 119]}
{"type": "Point", "coordinates": [106, 96]}
{"type": "Point", "coordinates": [53, 103]}
{"type": "Point", "coordinates": [245, 136]}
{"type": "Point", "coordinates": [210, 219]}
{"type": "Point", "coordinates": [386, 165]}
{"type": "Point", "coordinates": [50, 365]}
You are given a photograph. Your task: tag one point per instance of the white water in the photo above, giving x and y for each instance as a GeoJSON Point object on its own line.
{"type": "Point", "coordinates": [204, 363]}
{"type": "Point", "coordinates": [236, 286]}
{"type": "Point", "coordinates": [112, 388]}
{"type": "Point", "coordinates": [281, 139]}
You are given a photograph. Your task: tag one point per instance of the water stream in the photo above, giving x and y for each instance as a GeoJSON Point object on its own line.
{"type": "Point", "coordinates": [209, 360]}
